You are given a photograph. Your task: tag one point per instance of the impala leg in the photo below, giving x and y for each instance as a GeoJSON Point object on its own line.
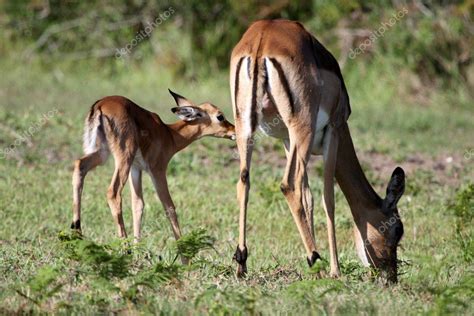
{"type": "Point", "coordinates": [294, 187]}
{"type": "Point", "coordinates": [330, 156]}
{"type": "Point", "coordinates": [81, 168]}
{"type": "Point", "coordinates": [161, 186]}
{"type": "Point", "coordinates": [137, 201]}
{"type": "Point", "coordinates": [245, 147]}
{"type": "Point", "coordinates": [114, 193]}
{"type": "Point", "coordinates": [308, 202]}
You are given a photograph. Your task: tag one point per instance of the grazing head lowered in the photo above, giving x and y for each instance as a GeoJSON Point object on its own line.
{"type": "Point", "coordinates": [381, 234]}
{"type": "Point", "coordinates": [280, 72]}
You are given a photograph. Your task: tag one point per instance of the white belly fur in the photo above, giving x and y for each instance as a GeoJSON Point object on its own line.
{"type": "Point", "coordinates": [139, 162]}
{"type": "Point", "coordinates": [275, 127]}
{"type": "Point", "coordinates": [318, 140]}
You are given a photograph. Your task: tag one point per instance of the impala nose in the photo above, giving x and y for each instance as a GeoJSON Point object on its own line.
{"type": "Point", "coordinates": [231, 132]}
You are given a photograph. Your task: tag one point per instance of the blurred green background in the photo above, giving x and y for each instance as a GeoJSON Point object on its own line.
{"type": "Point", "coordinates": [431, 39]}
{"type": "Point", "coordinates": [408, 67]}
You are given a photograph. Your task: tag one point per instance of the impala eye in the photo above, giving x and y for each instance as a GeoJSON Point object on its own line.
{"type": "Point", "coordinates": [220, 117]}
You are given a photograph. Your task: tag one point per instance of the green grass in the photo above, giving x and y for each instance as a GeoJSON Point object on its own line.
{"type": "Point", "coordinates": [41, 272]}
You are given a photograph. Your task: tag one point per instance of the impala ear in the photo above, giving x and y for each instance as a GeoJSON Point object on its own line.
{"type": "Point", "coordinates": [187, 113]}
{"type": "Point", "coordinates": [395, 189]}
{"type": "Point", "coordinates": [180, 100]}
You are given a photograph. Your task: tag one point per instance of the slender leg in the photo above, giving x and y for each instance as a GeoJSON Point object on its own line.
{"type": "Point", "coordinates": [245, 98]}
{"type": "Point", "coordinates": [245, 147]}
{"type": "Point", "coordinates": [308, 202]}
{"type": "Point", "coordinates": [161, 186]}
{"type": "Point", "coordinates": [294, 187]}
{"type": "Point", "coordinates": [330, 155]}
{"type": "Point", "coordinates": [81, 168]}
{"type": "Point", "coordinates": [114, 193]}
{"type": "Point", "coordinates": [137, 201]}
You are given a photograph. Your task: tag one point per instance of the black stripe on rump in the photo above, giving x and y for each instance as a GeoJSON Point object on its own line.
{"type": "Point", "coordinates": [236, 85]}
{"type": "Point", "coordinates": [253, 116]}
{"type": "Point", "coordinates": [284, 82]}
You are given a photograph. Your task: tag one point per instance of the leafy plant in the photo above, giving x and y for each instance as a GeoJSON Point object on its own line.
{"type": "Point", "coordinates": [110, 268]}
{"type": "Point", "coordinates": [352, 268]}
{"type": "Point", "coordinates": [320, 266]}
{"type": "Point", "coordinates": [191, 244]}
{"type": "Point", "coordinates": [463, 208]}
{"type": "Point", "coordinates": [151, 278]}
{"type": "Point", "coordinates": [105, 261]}
{"type": "Point", "coordinates": [463, 204]}
{"type": "Point", "coordinates": [43, 285]}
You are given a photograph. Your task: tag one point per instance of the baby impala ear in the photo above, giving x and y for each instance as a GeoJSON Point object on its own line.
{"type": "Point", "coordinates": [180, 100]}
{"type": "Point", "coordinates": [395, 189]}
{"type": "Point", "coordinates": [187, 113]}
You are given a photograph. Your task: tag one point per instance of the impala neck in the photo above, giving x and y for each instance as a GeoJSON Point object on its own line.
{"type": "Point", "coordinates": [184, 133]}
{"type": "Point", "coordinates": [359, 193]}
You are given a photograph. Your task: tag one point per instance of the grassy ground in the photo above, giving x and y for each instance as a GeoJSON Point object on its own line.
{"type": "Point", "coordinates": [41, 271]}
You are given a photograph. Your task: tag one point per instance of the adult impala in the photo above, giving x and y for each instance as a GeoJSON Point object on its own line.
{"type": "Point", "coordinates": [281, 74]}
{"type": "Point", "coordinates": [140, 141]}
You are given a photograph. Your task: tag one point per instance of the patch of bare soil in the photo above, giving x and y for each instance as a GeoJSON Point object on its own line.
{"type": "Point", "coordinates": [446, 168]}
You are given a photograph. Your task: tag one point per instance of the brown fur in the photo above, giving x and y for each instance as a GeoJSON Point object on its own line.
{"type": "Point", "coordinates": [139, 140]}
{"type": "Point", "coordinates": [296, 77]}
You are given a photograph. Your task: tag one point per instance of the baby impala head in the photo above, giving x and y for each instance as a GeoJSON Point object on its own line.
{"type": "Point", "coordinates": [208, 116]}
{"type": "Point", "coordinates": [379, 240]}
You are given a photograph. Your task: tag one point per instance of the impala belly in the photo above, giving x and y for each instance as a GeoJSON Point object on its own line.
{"type": "Point", "coordinates": [271, 123]}
{"type": "Point", "coordinates": [318, 140]}
{"type": "Point", "coordinates": [139, 162]}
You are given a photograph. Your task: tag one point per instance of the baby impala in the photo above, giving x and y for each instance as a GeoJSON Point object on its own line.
{"type": "Point", "coordinates": [140, 141]}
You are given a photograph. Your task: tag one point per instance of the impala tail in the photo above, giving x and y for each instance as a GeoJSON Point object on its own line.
{"type": "Point", "coordinates": [94, 136]}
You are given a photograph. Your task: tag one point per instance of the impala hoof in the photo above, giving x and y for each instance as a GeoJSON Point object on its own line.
{"type": "Point", "coordinates": [76, 225]}
{"type": "Point", "coordinates": [241, 270]}
{"type": "Point", "coordinates": [76, 228]}
{"type": "Point", "coordinates": [335, 274]}
{"type": "Point", "coordinates": [315, 256]}
{"type": "Point", "coordinates": [241, 257]}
